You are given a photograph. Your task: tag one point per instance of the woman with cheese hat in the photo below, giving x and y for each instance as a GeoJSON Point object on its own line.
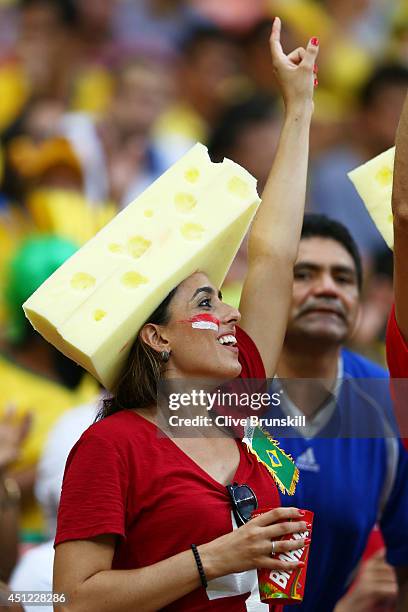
{"type": "Point", "coordinates": [148, 521]}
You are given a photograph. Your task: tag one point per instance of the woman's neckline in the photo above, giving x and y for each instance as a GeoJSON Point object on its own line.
{"type": "Point", "coordinates": [219, 484]}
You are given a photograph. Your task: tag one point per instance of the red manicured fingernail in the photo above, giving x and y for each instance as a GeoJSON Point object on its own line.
{"type": "Point", "coordinates": [301, 564]}
{"type": "Point", "coordinates": [302, 512]}
{"type": "Point", "coordinates": [314, 41]}
{"type": "Point", "coordinates": [315, 82]}
{"type": "Point", "coordinates": [309, 525]}
{"type": "Point", "coordinates": [307, 541]}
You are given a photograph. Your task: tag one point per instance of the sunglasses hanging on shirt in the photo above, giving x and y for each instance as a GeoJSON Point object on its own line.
{"type": "Point", "coordinates": [243, 501]}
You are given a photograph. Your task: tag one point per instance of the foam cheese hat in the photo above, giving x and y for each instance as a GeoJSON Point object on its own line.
{"type": "Point", "coordinates": [193, 218]}
{"type": "Point", "coordinates": [373, 181]}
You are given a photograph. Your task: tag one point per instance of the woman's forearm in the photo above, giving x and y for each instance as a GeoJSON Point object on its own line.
{"type": "Point", "coordinates": [276, 229]}
{"type": "Point", "coordinates": [147, 588]}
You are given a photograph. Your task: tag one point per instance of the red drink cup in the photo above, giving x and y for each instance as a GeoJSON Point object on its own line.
{"type": "Point", "coordinates": [284, 586]}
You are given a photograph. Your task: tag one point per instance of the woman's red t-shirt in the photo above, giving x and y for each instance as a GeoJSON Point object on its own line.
{"type": "Point", "coordinates": [123, 478]}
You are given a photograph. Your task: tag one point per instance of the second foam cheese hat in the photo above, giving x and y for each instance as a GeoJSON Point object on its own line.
{"type": "Point", "coordinates": [373, 181]}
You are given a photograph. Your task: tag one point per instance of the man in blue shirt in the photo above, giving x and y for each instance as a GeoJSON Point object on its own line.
{"type": "Point", "coordinates": [353, 469]}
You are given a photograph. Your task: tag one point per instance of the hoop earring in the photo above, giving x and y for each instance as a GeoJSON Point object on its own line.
{"type": "Point", "coordinates": [165, 356]}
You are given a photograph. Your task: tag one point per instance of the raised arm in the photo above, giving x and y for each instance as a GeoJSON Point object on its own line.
{"type": "Point", "coordinates": [400, 211]}
{"type": "Point", "coordinates": [275, 233]}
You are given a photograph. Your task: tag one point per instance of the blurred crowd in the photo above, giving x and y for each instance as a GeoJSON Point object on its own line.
{"type": "Point", "coordinates": [98, 98]}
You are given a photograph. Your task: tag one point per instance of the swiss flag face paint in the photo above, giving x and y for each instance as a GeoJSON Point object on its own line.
{"type": "Point", "coordinates": [204, 321]}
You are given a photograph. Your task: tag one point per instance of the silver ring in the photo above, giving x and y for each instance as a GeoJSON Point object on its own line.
{"type": "Point", "coordinates": [273, 548]}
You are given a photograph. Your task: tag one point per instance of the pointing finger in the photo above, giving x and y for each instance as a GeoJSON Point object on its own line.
{"type": "Point", "coordinates": [276, 47]}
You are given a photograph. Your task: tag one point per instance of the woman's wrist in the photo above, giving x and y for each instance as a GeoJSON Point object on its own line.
{"type": "Point", "coordinates": [211, 559]}
{"type": "Point", "coordinates": [299, 110]}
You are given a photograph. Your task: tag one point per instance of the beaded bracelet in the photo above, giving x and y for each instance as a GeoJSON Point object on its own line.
{"type": "Point", "coordinates": [200, 568]}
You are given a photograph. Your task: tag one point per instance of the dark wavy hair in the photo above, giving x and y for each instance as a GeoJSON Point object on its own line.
{"type": "Point", "coordinates": [136, 386]}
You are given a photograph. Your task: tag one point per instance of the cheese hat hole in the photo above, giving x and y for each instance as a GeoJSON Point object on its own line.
{"type": "Point", "coordinates": [148, 213]}
{"type": "Point", "coordinates": [184, 202]}
{"type": "Point", "coordinates": [384, 176]}
{"type": "Point", "coordinates": [132, 280]}
{"type": "Point", "coordinates": [114, 247]}
{"type": "Point", "coordinates": [98, 315]}
{"type": "Point", "coordinates": [238, 187]}
{"type": "Point", "coordinates": [82, 280]}
{"type": "Point", "coordinates": [192, 175]}
{"type": "Point", "coordinates": [192, 231]}
{"type": "Point", "coordinates": [137, 245]}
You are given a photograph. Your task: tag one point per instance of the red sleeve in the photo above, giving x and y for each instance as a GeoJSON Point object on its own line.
{"type": "Point", "coordinates": [93, 491]}
{"type": "Point", "coordinates": [397, 359]}
{"type": "Point", "coordinates": [374, 544]}
{"type": "Point", "coordinates": [397, 349]}
{"type": "Point", "coordinates": [249, 357]}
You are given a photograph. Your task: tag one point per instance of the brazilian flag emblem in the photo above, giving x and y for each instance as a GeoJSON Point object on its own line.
{"type": "Point", "coordinates": [273, 457]}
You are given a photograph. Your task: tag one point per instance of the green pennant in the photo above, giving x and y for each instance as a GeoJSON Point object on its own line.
{"type": "Point", "coordinates": [276, 461]}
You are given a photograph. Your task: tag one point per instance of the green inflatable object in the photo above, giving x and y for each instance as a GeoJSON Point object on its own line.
{"type": "Point", "coordinates": [34, 261]}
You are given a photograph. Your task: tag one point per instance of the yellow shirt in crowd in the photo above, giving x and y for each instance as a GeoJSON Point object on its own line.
{"type": "Point", "coordinates": [47, 401]}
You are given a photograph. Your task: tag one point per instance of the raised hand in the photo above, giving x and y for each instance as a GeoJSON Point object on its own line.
{"type": "Point", "coordinates": [375, 588]}
{"type": "Point", "coordinates": [295, 73]}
